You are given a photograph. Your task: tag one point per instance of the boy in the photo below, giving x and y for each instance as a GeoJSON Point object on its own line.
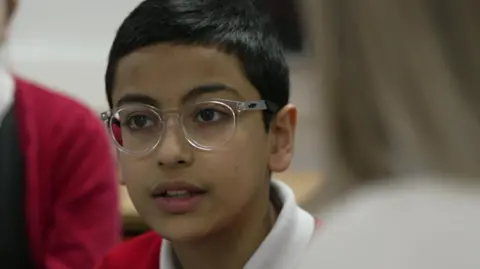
{"type": "Point", "coordinates": [58, 206]}
{"type": "Point", "coordinates": [201, 119]}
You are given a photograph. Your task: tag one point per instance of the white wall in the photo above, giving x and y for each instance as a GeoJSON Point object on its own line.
{"type": "Point", "coordinates": [64, 43]}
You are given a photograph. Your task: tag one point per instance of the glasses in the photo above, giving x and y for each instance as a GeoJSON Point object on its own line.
{"type": "Point", "coordinates": [139, 128]}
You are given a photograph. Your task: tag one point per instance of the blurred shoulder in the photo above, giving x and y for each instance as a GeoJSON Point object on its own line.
{"type": "Point", "coordinates": [53, 109]}
{"type": "Point", "coordinates": [46, 98]}
{"type": "Point", "coordinates": [412, 223]}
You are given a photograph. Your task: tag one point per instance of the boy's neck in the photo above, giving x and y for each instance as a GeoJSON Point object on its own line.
{"type": "Point", "coordinates": [233, 247]}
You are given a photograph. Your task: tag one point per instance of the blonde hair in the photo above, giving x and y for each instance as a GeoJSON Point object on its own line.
{"type": "Point", "coordinates": [397, 76]}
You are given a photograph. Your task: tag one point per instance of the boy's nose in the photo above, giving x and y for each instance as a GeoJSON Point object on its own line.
{"type": "Point", "coordinates": [173, 149]}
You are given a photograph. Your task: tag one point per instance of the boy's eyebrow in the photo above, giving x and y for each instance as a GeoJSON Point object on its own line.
{"type": "Point", "coordinates": [192, 94]}
{"type": "Point", "coordinates": [208, 88]}
{"type": "Point", "coordinates": [136, 98]}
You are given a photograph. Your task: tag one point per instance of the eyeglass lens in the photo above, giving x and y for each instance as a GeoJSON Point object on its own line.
{"type": "Point", "coordinates": [138, 128]}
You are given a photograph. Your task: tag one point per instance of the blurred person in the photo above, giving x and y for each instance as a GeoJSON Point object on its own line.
{"type": "Point", "coordinates": [399, 83]}
{"type": "Point", "coordinates": [199, 92]}
{"type": "Point", "coordinates": [58, 193]}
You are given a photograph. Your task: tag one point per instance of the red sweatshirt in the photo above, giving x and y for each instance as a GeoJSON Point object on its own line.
{"type": "Point", "coordinates": [71, 196]}
{"type": "Point", "coordinates": [141, 252]}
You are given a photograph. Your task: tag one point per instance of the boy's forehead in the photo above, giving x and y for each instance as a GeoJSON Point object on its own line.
{"type": "Point", "coordinates": [169, 72]}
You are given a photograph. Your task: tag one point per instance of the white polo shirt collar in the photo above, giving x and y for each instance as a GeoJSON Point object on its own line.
{"type": "Point", "coordinates": [285, 244]}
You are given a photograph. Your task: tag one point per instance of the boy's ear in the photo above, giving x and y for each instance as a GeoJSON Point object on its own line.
{"type": "Point", "coordinates": [282, 138]}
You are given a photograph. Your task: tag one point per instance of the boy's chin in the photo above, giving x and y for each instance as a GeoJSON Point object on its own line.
{"type": "Point", "coordinates": [183, 230]}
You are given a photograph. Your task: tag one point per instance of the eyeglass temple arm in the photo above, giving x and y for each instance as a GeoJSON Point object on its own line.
{"type": "Point", "coordinates": [105, 116]}
{"type": "Point", "coordinates": [259, 105]}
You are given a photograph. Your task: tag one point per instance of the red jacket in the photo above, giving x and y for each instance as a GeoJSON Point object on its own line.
{"type": "Point", "coordinates": [141, 252]}
{"type": "Point", "coordinates": [71, 196]}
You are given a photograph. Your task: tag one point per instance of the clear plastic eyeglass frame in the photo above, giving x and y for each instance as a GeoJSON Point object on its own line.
{"type": "Point", "coordinates": [235, 107]}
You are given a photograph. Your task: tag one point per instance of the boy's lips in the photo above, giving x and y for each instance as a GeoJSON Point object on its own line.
{"type": "Point", "coordinates": [176, 186]}
{"type": "Point", "coordinates": [177, 197]}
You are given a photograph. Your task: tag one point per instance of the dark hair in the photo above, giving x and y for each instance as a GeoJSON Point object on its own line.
{"type": "Point", "coordinates": [235, 27]}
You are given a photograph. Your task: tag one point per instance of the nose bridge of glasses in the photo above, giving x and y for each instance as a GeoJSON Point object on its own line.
{"type": "Point", "coordinates": [165, 115]}
{"type": "Point", "coordinates": [172, 122]}
{"type": "Point", "coordinates": [171, 144]}
{"type": "Point", "coordinates": [169, 134]}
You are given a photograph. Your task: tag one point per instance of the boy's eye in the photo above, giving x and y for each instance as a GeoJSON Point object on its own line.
{"type": "Point", "coordinates": [137, 122]}
{"type": "Point", "coordinates": [208, 115]}
{"type": "Point", "coordinates": [205, 113]}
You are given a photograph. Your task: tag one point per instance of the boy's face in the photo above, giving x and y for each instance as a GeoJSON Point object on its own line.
{"type": "Point", "coordinates": [230, 178]}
